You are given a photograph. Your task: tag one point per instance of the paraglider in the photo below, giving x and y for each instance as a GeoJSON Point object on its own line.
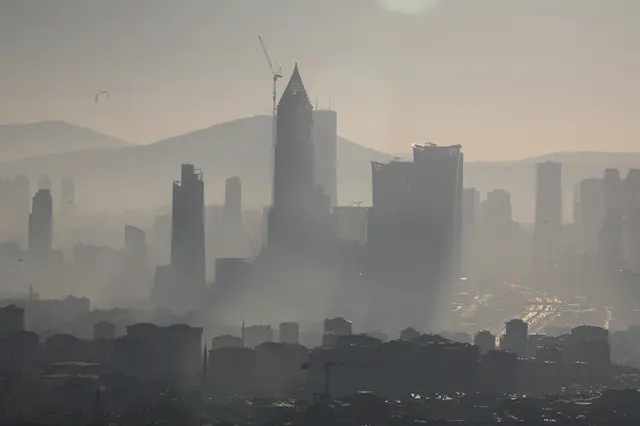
{"type": "Point", "coordinates": [102, 93]}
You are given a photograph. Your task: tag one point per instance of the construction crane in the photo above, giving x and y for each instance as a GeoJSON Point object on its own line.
{"type": "Point", "coordinates": [275, 76]}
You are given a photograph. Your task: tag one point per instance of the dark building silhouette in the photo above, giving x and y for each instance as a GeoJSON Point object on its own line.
{"type": "Point", "coordinates": [300, 261]}
{"type": "Point", "coordinates": [135, 244]}
{"type": "Point", "coordinates": [470, 210]}
{"type": "Point", "coordinates": [289, 332]}
{"type": "Point", "coordinates": [11, 319]}
{"type": "Point", "coordinates": [591, 212]}
{"type": "Point", "coordinates": [414, 231]}
{"type": "Point", "coordinates": [300, 207]}
{"type": "Point", "coordinates": [515, 337]}
{"type": "Point", "coordinates": [187, 231]}
{"type": "Point", "coordinates": [41, 224]}
{"type": "Point", "coordinates": [104, 330]}
{"type": "Point", "coordinates": [548, 218]}
{"type": "Point", "coordinates": [338, 326]}
{"type": "Point", "coordinates": [181, 286]}
{"type": "Point", "coordinates": [352, 223]}
{"type": "Point", "coordinates": [486, 341]}
{"type": "Point", "coordinates": [150, 352]}
{"type": "Point", "coordinates": [257, 334]}
{"type": "Point", "coordinates": [232, 281]}
{"type": "Point", "coordinates": [232, 220]}
{"type": "Point", "coordinates": [226, 341]}
{"type": "Point", "coordinates": [325, 145]}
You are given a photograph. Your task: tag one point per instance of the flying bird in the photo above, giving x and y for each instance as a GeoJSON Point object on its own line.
{"type": "Point", "coordinates": [102, 93]}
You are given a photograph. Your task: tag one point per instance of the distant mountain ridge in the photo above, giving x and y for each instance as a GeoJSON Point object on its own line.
{"type": "Point", "coordinates": [140, 176]}
{"type": "Point", "coordinates": [20, 141]}
{"type": "Point", "coordinates": [122, 177]}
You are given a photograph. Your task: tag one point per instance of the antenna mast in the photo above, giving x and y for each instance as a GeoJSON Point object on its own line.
{"type": "Point", "coordinates": [275, 76]}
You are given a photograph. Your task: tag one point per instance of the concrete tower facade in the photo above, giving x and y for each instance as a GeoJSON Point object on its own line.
{"type": "Point", "coordinates": [325, 145]}
{"type": "Point", "coordinates": [41, 224]}
{"type": "Point", "coordinates": [298, 203]}
{"type": "Point", "coordinates": [547, 238]}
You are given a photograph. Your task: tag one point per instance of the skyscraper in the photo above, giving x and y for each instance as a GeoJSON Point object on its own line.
{"type": "Point", "coordinates": [325, 146]}
{"type": "Point", "coordinates": [233, 240]}
{"type": "Point", "coordinates": [470, 207]}
{"type": "Point", "coordinates": [187, 230]}
{"type": "Point", "coordinates": [299, 205]}
{"type": "Point", "coordinates": [135, 246]}
{"type": "Point", "coordinates": [591, 212]}
{"type": "Point", "coordinates": [299, 264]}
{"type": "Point", "coordinates": [414, 229]}
{"type": "Point", "coordinates": [498, 210]}
{"type": "Point", "coordinates": [548, 226]}
{"type": "Point", "coordinates": [41, 224]}
{"type": "Point", "coordinates": [180, 285]}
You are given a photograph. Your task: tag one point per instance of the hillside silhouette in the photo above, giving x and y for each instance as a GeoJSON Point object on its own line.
{"type": "Point", "coordinates": [140, 176]}
{"type": "Point", "coordinates": [20, 141]}
{"type": "Point", "coordinates": [136, 176]}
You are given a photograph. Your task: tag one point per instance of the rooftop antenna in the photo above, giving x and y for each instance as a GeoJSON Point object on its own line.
{"type": "Point", "coordinates": [275, 76]}
{"type": "Point", "coordinates": [329, 102]}
{"type": "Point", "coordinates": [242, 334]}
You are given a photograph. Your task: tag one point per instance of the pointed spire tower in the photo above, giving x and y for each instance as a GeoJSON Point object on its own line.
{"type": "Point", "coordinates": [295, 88]}
{"type": "Point", "coordinates": [293, 171]}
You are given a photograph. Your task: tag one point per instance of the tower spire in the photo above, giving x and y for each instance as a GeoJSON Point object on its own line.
{"type": "Point", "coordinates": [295, 87]}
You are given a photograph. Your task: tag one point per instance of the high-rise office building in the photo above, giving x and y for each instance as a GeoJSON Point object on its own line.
{"type": "Point", "coordinates": [613, 190]}
{"type": "Point", "coordinates": [414, 227]}
{"type": "Point", "coordinates": [180, 286]}
{"type": "Point", "coordinates": [11, 320]}
{"type": "Point", "coordinates": [187, 231]}
{"type": "Point", "coordinates": [41, 224]}
{"type": "Point", "coordinates": [591, 212]}
{"type": "Point", "coordinates": [610, 242]}
{"type": "Point", "coordinates": [300, 207]}
{"type": "Point", "coordinates": [470, 207]}
{"type": "Point", "coordinates": [135, 245]}
{"type": "Point", "coordinates": [231, 234]}
{"type": "Point", "coordinates": [325, 152]}
{"type": "Point", "coordinates": [352, 223]}
{"type": "Point", "coordinates": [547, 236]}
{"type": "Point", "coordinates": [498, 212]}
{"type": "Point", "coordinates": [289, 333]}
{"type": "Point", "coordinates": [515, 337]}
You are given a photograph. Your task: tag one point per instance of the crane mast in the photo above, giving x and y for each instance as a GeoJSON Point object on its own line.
{"type": "Point", "coordinates": [275, 76]}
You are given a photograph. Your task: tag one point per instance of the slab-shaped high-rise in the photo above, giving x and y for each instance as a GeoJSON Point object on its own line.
{"type": "Point", "coordinates": [187, 231]}
{"type": "Point", "coordinates": [180, 285]}
{"type": "Point", "coordinates": [325, 145]}
{"type": "Point", "coordinates": [548, 227]}
{"type": "Point", "coordinates": [414, 232]}
{"type": "Point", "coordinates": [41, 225]}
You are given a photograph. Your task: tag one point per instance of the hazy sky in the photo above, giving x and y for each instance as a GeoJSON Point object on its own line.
{"type": "Point", "coordinates": [505, 78]}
